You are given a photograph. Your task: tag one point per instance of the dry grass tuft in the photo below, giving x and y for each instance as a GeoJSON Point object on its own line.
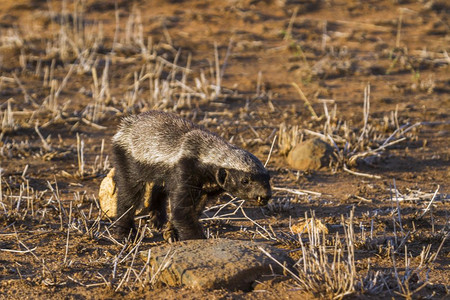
{"type": "Point", "coordinates": [353, 146]}
{"type": "Point", "coordinates": [328, 269]}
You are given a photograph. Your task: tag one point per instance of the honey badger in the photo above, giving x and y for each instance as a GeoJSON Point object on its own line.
{"type": "Point", "coordinates": [187, 165]}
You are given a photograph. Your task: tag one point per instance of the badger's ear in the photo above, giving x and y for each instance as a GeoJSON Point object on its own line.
{"type": "Point", "coordinates": [221, 176]}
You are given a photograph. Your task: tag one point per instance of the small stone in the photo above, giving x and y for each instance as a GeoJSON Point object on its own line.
{"type": "Point", "coordinates": [302, 226]}
{"type": "Point", "coordinates": [310, 155]}
{"type": "Point", "coordinates": [214, 263]}
{"type": "Point", "coordinates": [107, 196]}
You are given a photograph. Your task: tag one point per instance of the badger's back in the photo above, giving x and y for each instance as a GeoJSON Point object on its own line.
{"type": "Point", "coordinates": [157, 137]}
{"type": "Point", "coordinates": [153, 137]}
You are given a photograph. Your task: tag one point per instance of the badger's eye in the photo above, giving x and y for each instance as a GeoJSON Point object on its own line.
{"type": "Point", "coordinates": [244, 181]}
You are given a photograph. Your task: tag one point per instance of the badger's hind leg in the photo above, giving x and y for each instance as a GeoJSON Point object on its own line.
{"type": "Point", "coordinates": [157, 209]}
{"type": "Point", "coordinates": [130, 191]}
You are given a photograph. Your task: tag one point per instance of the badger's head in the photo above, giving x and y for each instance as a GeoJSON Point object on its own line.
{"type": "Point", "coordinates": [246, 185]}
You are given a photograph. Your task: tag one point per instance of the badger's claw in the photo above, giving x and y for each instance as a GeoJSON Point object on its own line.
{"type": "Point", "coordinates": [262, 201]}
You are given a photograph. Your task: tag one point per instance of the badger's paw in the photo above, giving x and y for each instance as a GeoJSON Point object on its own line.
{"type": "Point", "coordinates": [170, 234]}
{"type": "Point", "coordinates": [157, 220]}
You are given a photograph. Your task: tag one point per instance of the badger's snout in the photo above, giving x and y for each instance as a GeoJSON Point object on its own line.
{"type": "Point", "coordinates": [263, 192]}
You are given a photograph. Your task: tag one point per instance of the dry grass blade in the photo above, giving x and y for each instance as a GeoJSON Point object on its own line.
{"type": "Point", "coordinates": [288, 34]}
{"type": "Point", "coordinates": [47, 147]}
{"type": "Point", "coordinates": [282, 265]}
{"type": "Point", "coordinates": [270, 152]}
{"type": "Point", "coordinates": [19, 251]}
{"type": "Point", "coordinates": [307, 103]}
{"type": "Point", "coordinates": [27, 97]}
{"type": "Point", "coordinates": [68, 233]}
{"type": "Point", "coordinates": [353, 158]}
{"type": "Point", "coordinates": [296, 191]}
{"type": "Point", "coordinates": [398, 207]}
{"type": "Point", "coordinates": [365, 112]}
{"type": "Point", "coordinates": [430, 203]}
{"type": "Point", "coordinates": [7, 123]}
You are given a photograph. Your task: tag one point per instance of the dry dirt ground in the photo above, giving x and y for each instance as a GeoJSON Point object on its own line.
{"type": "Point", "coordinates": [369, 74]}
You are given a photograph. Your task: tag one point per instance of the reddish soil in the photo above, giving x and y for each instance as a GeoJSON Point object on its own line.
{"type": "Point", "coordinates": [331, 49]}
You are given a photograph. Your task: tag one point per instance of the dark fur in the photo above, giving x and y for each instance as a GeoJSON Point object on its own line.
{"type": "Point", "coordinates": [187, 164]}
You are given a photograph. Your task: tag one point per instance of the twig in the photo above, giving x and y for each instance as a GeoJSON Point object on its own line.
{"type": "Point", "coordinates": [65, 80]}
{"type": "Point", "coordinates": [362, 198]}
{"type": "Point", "coordinates": [47, 147]}
{"type": "Point", "coordinates": [429, 204]}
{"type": "Point", "coordinates": [366, 153]}
{"type": "Point", "coordinates": [366, 111]}
{"type": "Point", "coordinates": [27, 97]}
{"type": "Point", "coordinates": [76, 281]}
{"type": "Point", "coordinates": [296, 191]}
{"type": "Point", "coordinates": [313, 133]}
{"type": "Point", "coordinates": [147, 262]}
{"type": "Point", "coordinates": [360, 174]}
{"type": "Point", "coordinates": [398, 207]}
{"type": "Point", "coordinates": [68, 233]}
{"type": "Point", "coordinates": [397, 130]}
{"type": "Point", "coordinates": [307, 103]}
{"type": "Point", "coordinates": [113, 223]}
{"type": "Point", "coordinates": [218, 77]}
{"type": "Point", "coordinates": [18, 251]}
{"type": "Point", "coordinates": [225, 60]}
{"type": "Point", "coordinates": [225, 216]}
{"type": "Point", "coordinates": [270, 152]}
{"type": "Point", "coordinates": [440, 246]}
{"type": "Point", "coordinates": [270, 236]}
{"type": "Point", "coordinates": [90, 123]}
{"type": "Point", "coordinates": [281, 265]}
{"type": "Point", "coordinates": [288, 35]}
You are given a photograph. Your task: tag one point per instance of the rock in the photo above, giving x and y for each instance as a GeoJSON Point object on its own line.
{"type": "Point", "coordinates": [107, 196]}
{"type": "Point", "coordinates": [302, 226]}
{"type": "Point", "coordinates": [214, 263]}
{"type": "Point", "coordinates": [310, 155]}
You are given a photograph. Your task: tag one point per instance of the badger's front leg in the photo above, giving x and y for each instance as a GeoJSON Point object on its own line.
{"type": "Point", "coordinates": [185, 195]}
{"type": "Point", "coordinates": [183, 214]}
{"type": "Point", "coordinates": [157, 209]}
{"type": "Point", "coordinates": [170, 233]}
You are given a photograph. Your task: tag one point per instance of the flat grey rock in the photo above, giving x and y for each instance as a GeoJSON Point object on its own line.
{"type": "Point", "coordinates": [214, 263]}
